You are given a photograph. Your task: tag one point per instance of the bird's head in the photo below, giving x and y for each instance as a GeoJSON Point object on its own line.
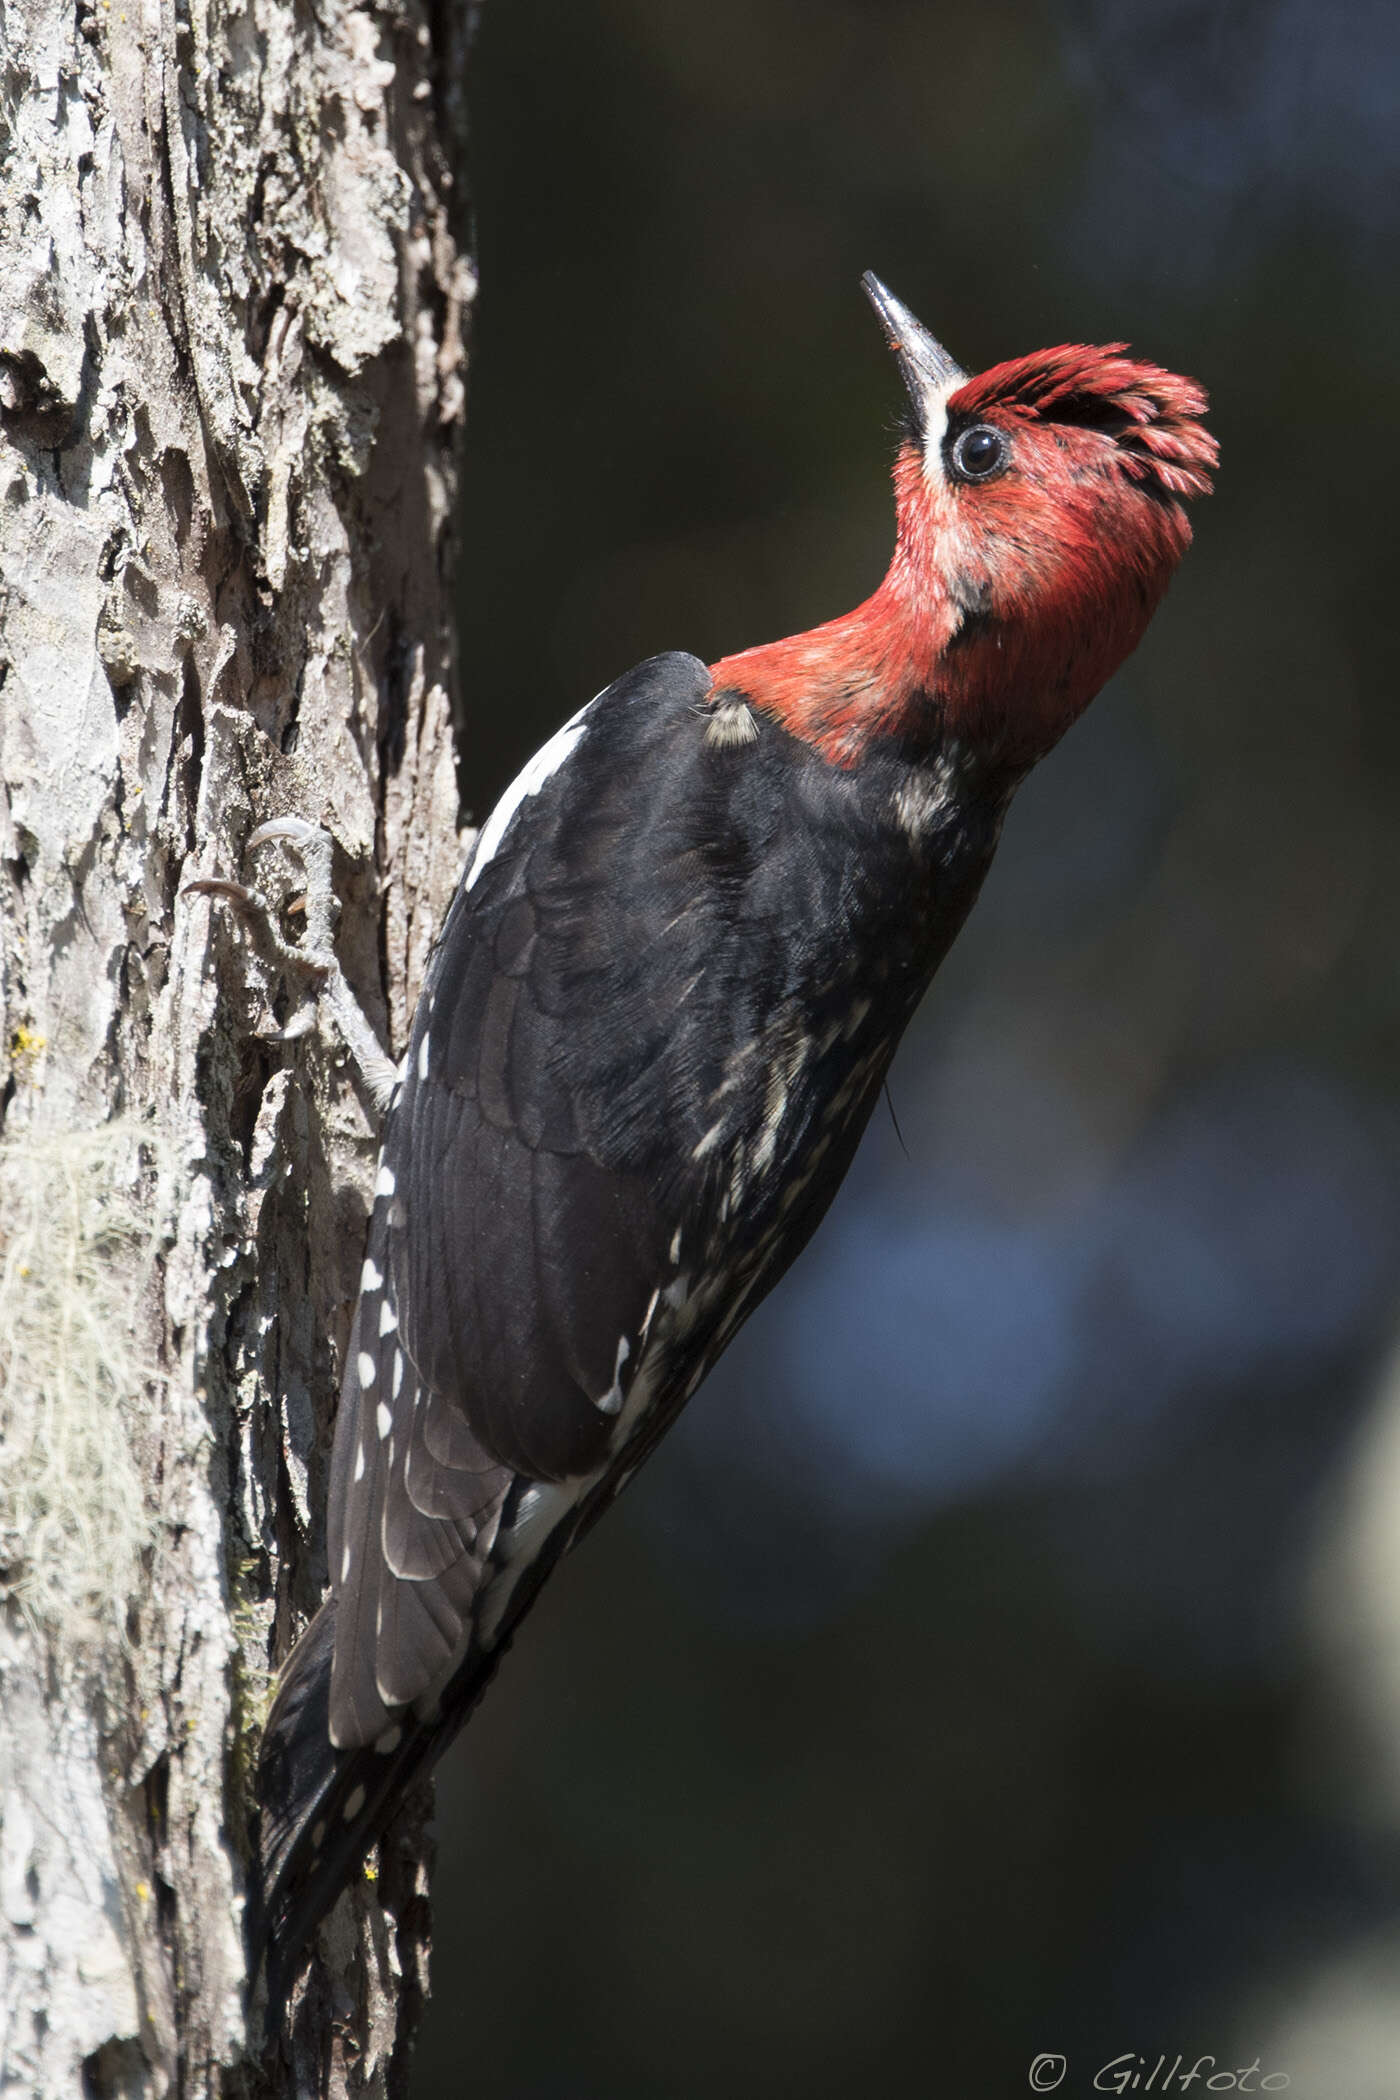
{"type": "Point", "coordinates": [1041, 512]}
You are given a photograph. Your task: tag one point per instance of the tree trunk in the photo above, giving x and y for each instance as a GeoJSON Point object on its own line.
{"type": "Point", "coordinates": [231, 383]}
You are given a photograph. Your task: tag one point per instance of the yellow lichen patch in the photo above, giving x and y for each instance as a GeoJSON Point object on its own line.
{"type": "Point", "coordinates": [26, 1048]}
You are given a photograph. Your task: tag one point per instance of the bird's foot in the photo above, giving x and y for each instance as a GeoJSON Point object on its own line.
{"type": "Point", "coordinates": [311, 963]}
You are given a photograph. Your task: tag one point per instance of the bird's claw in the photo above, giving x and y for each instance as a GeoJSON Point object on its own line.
{"type": "Point", "coordinates": [295, 830]}
{"type": "Point", "coordinates": [312, 959]}
{"type": "Point", "coordinates": [235, 893]}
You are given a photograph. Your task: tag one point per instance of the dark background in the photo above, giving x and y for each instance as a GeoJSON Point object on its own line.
{"type": "Point", "coordinates": [1004, 1654]}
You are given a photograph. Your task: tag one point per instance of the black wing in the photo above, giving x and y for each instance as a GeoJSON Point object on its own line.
{"type": "Point", "coordinates": [524, 1221]}
{"type": "Point", "coordinates": [662, 1007]}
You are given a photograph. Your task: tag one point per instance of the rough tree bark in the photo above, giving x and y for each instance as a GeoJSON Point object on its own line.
{"type": "Point", "coordinates": [231, 380]}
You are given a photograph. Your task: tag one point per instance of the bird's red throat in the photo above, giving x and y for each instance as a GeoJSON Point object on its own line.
{"type": "Point", "coordinates": [1005, 606]}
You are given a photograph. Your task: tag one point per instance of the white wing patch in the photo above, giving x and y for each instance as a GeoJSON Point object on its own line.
{"type": "Point", "coordinates": [532, 777]}
{"type": "Point", "coordinates": [611, 1402]}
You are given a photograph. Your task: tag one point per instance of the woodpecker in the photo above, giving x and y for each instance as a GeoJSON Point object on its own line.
{"type": "Point", "coordinates": [661, 1009]}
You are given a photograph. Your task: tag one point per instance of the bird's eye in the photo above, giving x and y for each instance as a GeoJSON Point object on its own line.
{"type": "Point", "coordinates": [979, 453]}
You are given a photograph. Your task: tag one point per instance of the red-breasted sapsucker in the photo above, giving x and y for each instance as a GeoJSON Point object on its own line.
{"type": "Point", "coordinates": [662, 1006]}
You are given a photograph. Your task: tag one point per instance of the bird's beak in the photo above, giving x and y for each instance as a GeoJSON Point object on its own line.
{"type": "Point", "coordinates": [924, 365]}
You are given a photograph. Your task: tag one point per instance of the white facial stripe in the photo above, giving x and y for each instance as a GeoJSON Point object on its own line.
{"type": "Point", "coordinates": [936, 426]}
{"type": "Point", "coordinates": [546, 762]}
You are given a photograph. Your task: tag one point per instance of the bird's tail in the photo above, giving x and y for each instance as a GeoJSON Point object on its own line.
{"type": "Point", "coordinates": [321, 1808]}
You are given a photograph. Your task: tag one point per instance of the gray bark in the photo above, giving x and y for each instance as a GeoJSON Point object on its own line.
{"type": "Point", "coordinates": [231, 381]}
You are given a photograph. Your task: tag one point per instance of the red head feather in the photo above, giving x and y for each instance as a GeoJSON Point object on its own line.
{"type": "Point", "coordinates": [1154, 415]}
{"type": "Point", "coordinates": [1010, 599]}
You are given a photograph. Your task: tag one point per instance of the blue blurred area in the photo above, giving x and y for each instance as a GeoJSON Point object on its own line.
{"type": "Point", "coordinates": [1242, 126]}
{"type": "Point", "coordinates": [933, 1344]}
{"type": "Point", "coordinates": [945, 1690]}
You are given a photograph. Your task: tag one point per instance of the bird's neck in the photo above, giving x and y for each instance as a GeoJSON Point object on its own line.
{"type": "Point", "coordinates": [870, 672]}
{"type": "Point", "coordinates": [974, 638]}
{"type": "Point", "coordinates": [873, 671]}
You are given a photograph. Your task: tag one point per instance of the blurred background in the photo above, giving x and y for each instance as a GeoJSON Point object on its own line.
{"type": "Point", "coordinates": [1003, 1657]}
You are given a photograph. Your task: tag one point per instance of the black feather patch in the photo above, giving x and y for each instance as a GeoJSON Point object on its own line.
{"type": "Point", "coordinates": [658, 1016]}
{"type": "Point", "coordinates": [410, 1529]}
